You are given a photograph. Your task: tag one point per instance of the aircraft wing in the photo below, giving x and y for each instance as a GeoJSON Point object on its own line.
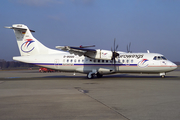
{"type": "Point", "coordinates": [91, 53]}
{"type": "Point", "coordinates": [78, 51]}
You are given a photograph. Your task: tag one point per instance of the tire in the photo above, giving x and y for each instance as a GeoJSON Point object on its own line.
{"type": "Point", "coordinates": [90, 76]}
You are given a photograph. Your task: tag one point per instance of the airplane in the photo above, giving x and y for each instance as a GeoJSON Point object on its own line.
{"type": "Point", "coordinates": [93, 62]}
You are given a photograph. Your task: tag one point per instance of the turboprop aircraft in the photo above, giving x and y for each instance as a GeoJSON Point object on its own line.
{"type": "Point", "coordinates": [93, 62]}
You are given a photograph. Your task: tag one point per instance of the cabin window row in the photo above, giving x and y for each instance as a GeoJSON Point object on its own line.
{"type": "Point", "coordinates": [125, 61]}
{"type": "Point", "coordinates": [75, 60]}
{"type": "Point", "coordinates": [98, 61]}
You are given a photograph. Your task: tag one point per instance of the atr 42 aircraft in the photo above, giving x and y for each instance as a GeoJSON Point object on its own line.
{"type": "Point", "coordinates": [88, 61]}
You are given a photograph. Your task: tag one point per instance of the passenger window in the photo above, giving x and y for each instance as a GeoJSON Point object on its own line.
{"type": "Point", "coordinates": [159, 58]}
{"type": "Point", "coordinates": [107, 61]}
{"type": "Point", "coordinates": [78, 60]}
{"type": "Point", "coordinates": [74, 60]}
{"type": "Point", "coordinates": [94, 60]}
{"type": "Point", "coordinates": [67, 60]}
{"type": "Point", "coordinates": [122, 61]}
{"type": "Point", "coordinates": [98, 60]}
{"type": "Point", "coordinates": [102, 60]}
{"type": "Point", "coordinates": [71, 60]}
{"type": "Point", "coordinates": [127, 61]}
{"type": "Point", "coordinates": [131, 61]}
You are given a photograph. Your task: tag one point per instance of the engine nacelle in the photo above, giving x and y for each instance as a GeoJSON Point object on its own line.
{"type": "Point", "coordinates": [105, 71]}
{"type": "Point", "coordinates": [101, 54]}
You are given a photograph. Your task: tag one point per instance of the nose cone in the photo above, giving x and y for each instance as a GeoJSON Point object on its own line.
{"type": "Point", "coordinates": [175, 66]}
{"type": "Point", "coordinates": [172, 66]}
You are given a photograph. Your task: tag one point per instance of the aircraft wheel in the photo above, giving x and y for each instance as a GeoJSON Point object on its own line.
{"type": "Point", "coordinates": [90, 76]}
{"type": "Point", "coordinates": [163, 76]}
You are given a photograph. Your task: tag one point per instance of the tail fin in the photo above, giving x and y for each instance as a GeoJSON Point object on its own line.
{"type": "Point", "coordinates": [27, 44]}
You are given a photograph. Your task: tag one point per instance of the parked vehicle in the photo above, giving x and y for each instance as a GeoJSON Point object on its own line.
{"type": "Point", "coordinates": [43, 69]}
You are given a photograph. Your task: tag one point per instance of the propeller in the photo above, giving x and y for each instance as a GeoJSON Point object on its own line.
{"type": "Point", "coordinates": [128, 48]}
{"type": "Point", "coordinates": [114, 53]}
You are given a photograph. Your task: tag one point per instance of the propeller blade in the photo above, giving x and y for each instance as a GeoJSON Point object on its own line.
{"type": "Point", "coordinates": [114, 53]}
{"type": "Point", "coordinates": [116, 47]}
{"type": "Point", "coordinates": [129, 47]}
{"type": "Point", "coordinates": [114, 43]}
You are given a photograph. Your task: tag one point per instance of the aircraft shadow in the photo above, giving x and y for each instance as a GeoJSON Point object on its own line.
{"type": "Point", "coordinates": [118, 76]}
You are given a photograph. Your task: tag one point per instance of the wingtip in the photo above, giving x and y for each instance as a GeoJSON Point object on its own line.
{"type": "Point", "coordinates": [8, 27]}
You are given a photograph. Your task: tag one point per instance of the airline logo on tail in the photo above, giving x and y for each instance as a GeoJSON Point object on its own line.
{"type": "Point", "coordinates": [27, 46]}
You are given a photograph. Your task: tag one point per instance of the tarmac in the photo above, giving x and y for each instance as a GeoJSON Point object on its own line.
{"type": "Point", "coordinates": [30, 95]}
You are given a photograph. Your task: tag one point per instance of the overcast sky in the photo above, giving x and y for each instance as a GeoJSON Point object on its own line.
{"type": "Point", "coordinates": [148, 24]}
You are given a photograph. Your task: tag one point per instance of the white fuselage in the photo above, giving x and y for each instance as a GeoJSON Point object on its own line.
{"type": "Point", "coordinates": [89, 61]}
{"type": "Point", "coordinates": [125, 63]}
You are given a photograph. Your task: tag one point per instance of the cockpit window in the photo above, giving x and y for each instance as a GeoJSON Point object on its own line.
{"type": "Point", "coordinates": [159, 58]}
{"type": "Point", "coordinates": [155, 58]}
{"type": "Point", "coordinates": [164, 58]}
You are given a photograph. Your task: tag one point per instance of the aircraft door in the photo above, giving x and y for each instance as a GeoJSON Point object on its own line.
{"type": "Point", "coordinates": [56, 63]}
{"type": "Point", "coordinates": [118, 64]}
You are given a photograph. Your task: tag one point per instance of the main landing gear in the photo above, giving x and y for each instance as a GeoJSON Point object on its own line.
{"type": "Point", "coordinates": [91, 75]}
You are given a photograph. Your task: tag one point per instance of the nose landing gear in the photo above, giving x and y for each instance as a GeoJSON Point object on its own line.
{"type": "Point", "coordinates": [162, 75]}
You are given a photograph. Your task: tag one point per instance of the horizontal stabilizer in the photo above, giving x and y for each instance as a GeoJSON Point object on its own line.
{"type": "Point", "coordinates": [16, 28]}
